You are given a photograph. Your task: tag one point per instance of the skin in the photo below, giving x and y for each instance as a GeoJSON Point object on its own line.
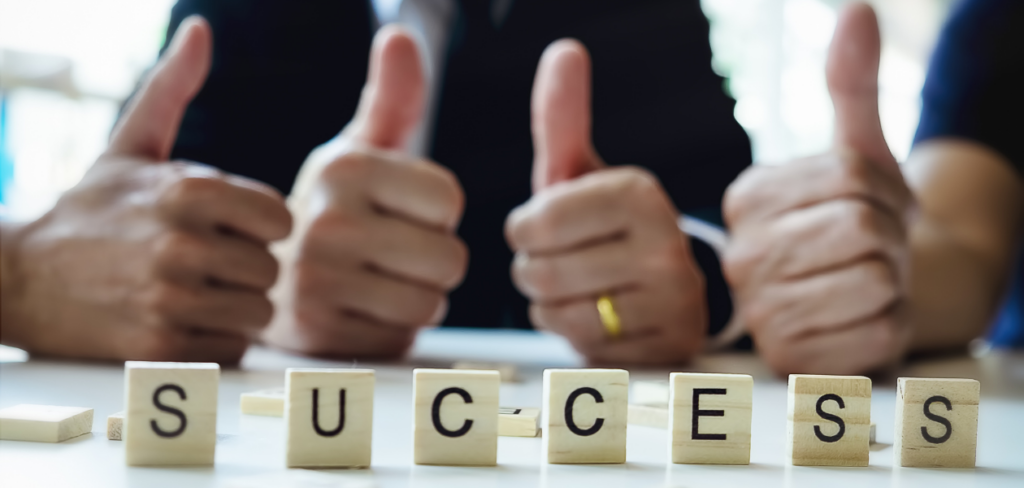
{"type": "Point", "coordinates": [853, 266]}
{"type": "Point", "coordinates": [591, 229]}
{"type": "Point", "coordinates": [146, 258]}
{"type": "Point", "coordinates": [374, 253]}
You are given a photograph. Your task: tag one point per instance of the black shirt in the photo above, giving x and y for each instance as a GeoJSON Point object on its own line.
{"type": "Point", "coordinates": [286, 77]}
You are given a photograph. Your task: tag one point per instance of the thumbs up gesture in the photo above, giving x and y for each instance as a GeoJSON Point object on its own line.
{"type": "Point", "coordinates": [591, 231]}
{"type": "Point", "coordinates": [819, 255]}
{"type": "Point", "coordinates": [145, 258]}
{"type": "Point", "coordinates": [375, 251]}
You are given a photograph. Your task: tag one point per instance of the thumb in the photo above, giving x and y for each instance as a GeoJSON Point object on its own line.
{"type": "Point", "coordinates": [852, 73]}
{"type": "Point", "coordinates": [560, 115]}
{"type": "Point", "coordinates": [392, 101]}
{"type": "Point", "coordinates": [150, 122]}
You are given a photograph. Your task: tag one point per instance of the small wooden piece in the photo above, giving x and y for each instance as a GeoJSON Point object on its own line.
{"type": "Point", "coordinates": [648, 416]}
{"type": "Point", "coordinates": [170, 413]}
{"type": "Point", "coordinates": [518, 422]}
{"type": "Point", "coordinates": [508, 372]}
{"type": "Point", "coordinates": [650, 392]}
{"type": "Point", "coordinates": [872, 439]}
{"type": "Point", "coordinates": [585, 413]}
{"type": "Point", "coordinates": [269, 402]}
{"type": "Point", "coordinates": [829, 419]}
{"type": "Point", "coordinates": [115, 423]}
{"type": "Point", "coordinates": [936, 422]}
{"type": "Point", "coordinates": [44, 423]}
{"type": "Point", "coordinates": [710, 418]}
{"type": "Point", "coordinates": [328, 417]}
{"type": "Point", "coordinates": [455, 419]}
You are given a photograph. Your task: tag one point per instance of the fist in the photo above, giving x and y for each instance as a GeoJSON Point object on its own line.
{"type": "Point", "coordinates": [819, 258]}
{"type": "Point", "coordinates": [149, 259]}
{"type": "Point", "coordinates": [590, 230]}
{"type": "Point", "coordinates": [375, 252]}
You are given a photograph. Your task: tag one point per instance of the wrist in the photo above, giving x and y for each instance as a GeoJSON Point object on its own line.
{"type": "Point", "coordinates": [13, 329]}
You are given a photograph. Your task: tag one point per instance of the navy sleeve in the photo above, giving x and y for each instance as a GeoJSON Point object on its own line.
{"type": "Point", "coordinates": [975, 84]}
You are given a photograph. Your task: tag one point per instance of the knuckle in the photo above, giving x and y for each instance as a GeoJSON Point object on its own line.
{"type": "Point", "coordinates": [335, 227]}
{"type": "Point", "coordinates": [860, 218]}
{"type": "Point", "coordinates": [348, 166]}
{"type": "Point", "coordinates": [164, 300]}
{"type": "Point", "coordinates": [159, 344]}
{"type": "Point", "coordinates": [176, 248]}
{"type": "Point", "coordinates": [740, 195]}
{"type": "Point", "coordinates": [458, 261]}
{"type": "Point", "coordinates": [852, 172]}
{"type": "Point", "coordinates": [453, 199]}
{"type": "Point", "coordinates": [192, 189]}
{"type": "Point", "coordinates": [540, 278]}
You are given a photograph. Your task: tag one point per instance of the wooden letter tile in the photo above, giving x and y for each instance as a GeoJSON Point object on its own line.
{"type": "Point", "coordinates": [585, 413]}
{"type": "Point", "coordinates": [269, 402]}
{"type": "Point", "coordinates": [518, 422]}
{"type": "Point", "coordinates": [328, 417]}
{"type": "Point", "coordinates": [710, 418]}
{"type": "Point", "coordinates": [44, 423]}
{"type": "Point", "coordinates": [170, 413]}
{"type": "Point", "coordinates": [115, 426]}
{"type": "Point", "coordinates": [936, 422]}
{"type": "Point", "coordinates": [829, 420]}
{"type": "Point", "coordinates": [455, 419]}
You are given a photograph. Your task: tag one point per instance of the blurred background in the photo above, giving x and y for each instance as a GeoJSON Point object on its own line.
{"type": "Point", "coordinates": [67, 65]}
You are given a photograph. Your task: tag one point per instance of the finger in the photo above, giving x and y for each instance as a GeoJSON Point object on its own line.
{"type": "Point", "coordinates": [560, 121]}
{"type": "Point", "coordinates": [387, 300]}
{"type": "Point", "coordinates": [345, 335]}
{"type": "Point", "coordinates": [213, 347]}
{"type": "Point", "coordinates": [828, 235]}
{"type": "Point", "coordinates": [858, 349]}
{"type": "Point", "coordinates": [852, 74]}
{"type": "Point", "coordinates": [392, 101]}
{"type": "Point", "coordinates": [206, 199]}
{"type": "Point", "coordinates": [215, 309]}
{"type": "Point", "coordinates": [823, 302]}
{"type": "Point", "coordinates": [194, 260]}
{"type": "Point", "coordinates": [658, 348]}
{"type": "Point", "coordinates": [582, 272]}
{"type": "Point", "coordinates": [596, 207]}
{"type": "Point", "coordinates": [641, 312]}
{"type": "Point", "coordinates": [420, 191]}
{"type": "Point", "coordinates": [410, 252]}
{"type": "Point", "coordinates": [150, 122]}
{"type": "Point", "coordinates": [755, 197]}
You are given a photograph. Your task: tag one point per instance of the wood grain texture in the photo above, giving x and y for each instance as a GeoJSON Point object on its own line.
{"type": "Point", "coordinates": [518, 422]}
{"type": "Point", "coordinates": [328, 415]}
{"type": "Point", "coordinates": [597, 400]}
{"type": "Point", "coordinates": [829, 420]}
{"type": "Point", "coordinates": [455, 418]}
{"type": "Point", "coordinates": [268, 402]}
{"type": "Point", "coordinates": [170, 413]}
{"type": "Point", "coordinates": [710, 418]}
{"type": "Point", "coordinates": [936, 422]}
{"type": "Point", "coordinates": [115, 426]}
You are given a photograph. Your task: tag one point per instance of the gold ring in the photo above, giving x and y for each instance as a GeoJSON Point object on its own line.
{"type": "Point", "coordinates": [609, 319]}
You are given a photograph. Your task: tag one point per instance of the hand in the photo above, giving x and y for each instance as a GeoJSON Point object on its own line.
{"type": "Point", "coordinates": [819, 257]}
{"type": "Point", "coordinates": [591, 230]}
{"type": "Point", "coordinates": [148, 259]}
{"type": "Point", "coordinates": [375, 251]}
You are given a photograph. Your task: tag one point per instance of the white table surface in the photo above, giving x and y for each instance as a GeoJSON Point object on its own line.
{"type": "Point", "coordinates": [251, 449]}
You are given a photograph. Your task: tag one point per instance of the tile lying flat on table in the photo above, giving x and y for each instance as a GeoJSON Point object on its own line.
{"type": "Point", "coordinates": [585, 413]}
{"type": "Point", "coordinates": [829, 420]}
{"type": "Point", "coordinates": [650, 392]}
{"type": "Point", "coordinates": [455, 417]}
{"type": "Point", "coordinates": [648, 416]}
{"type": "Point", "coordinates": [518, 422]}
{"type": "Point", "coordinates": [508, 372]}
{"type": "Point", "coordinates": [269, 402]}
{"type": "Point", "coordinates": [710, 418]}
{"type": "Point", "coordinates": [170, 413]}
{"type": "Point", "coordinates": [329, 417]}
{"type": "Point", "coordinates": [115, 426]}
{"type": "Point", "coordinates": [936, 422]}
{"type": "Point", "coordinates": [44, 423]}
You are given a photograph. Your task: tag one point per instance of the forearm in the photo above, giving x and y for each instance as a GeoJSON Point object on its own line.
{"type": "Point", "coordinates": [11, 327]}
{"type": "Point", "coordinates": [964, 242]}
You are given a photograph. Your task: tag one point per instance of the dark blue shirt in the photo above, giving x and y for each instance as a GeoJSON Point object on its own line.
{"type": "Point", "coordinates": [975, 90]}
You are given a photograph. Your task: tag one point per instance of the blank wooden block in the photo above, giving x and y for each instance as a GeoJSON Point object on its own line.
{"type": "Point", "coordinates": [269, 402]}
{"type": "Point", "coordinates": [508, 372]}
{"type": "Point", "coordinates": [710, 418]}
{"type": "Point", "coordinates": [648, 416]}
{"type": "Point", "coordinates": [44, 423]}
{"type": "Point", "coordinates": [455, 419]}
{"type": "Point", "coordinates": [829, 419]}
{"type": "Point", "coordinates": [170, 413]}
{"type": "Point", "coordinates": [936, 422]}
{"type": "Point", "coordinates": [652, 392]}
{"type": "Point", "coordinates": [518, 422]}
{"type": "Point", "coordinates": [328, 417]}
{"type": "Point", "coordinates": [585, 413]}
{"type": "Point", "coordinates": [115, 423]}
